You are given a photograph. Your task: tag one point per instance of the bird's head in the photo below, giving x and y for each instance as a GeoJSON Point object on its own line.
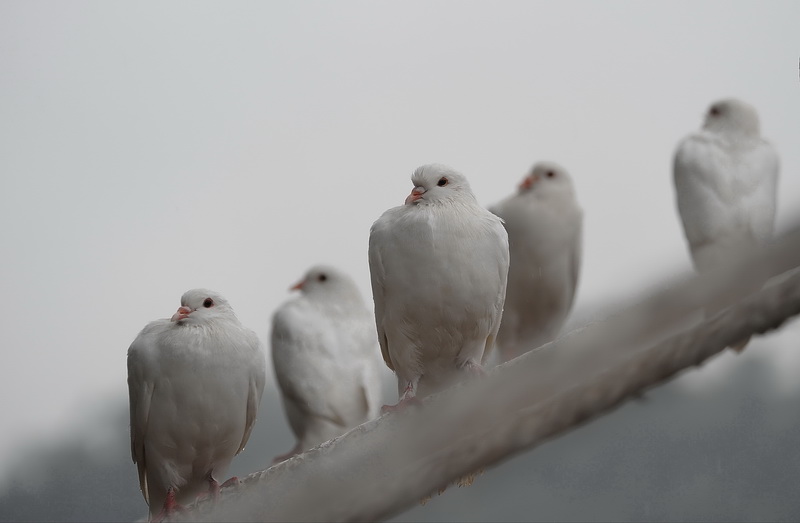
{"type": "Point", "coordinates": [435, 183]}
{"type": "Point", "coordinates": [201, 305]}
{"type": "Point", "coordinates": [323, 281]}
{"type": "Point", "coordinates": [546, 178]}
{"type": "Point", "coordinates": [732, 116]}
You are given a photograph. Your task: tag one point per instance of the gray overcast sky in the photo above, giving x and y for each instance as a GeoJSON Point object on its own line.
{"type": "Point", "coordinates": [149, 148]}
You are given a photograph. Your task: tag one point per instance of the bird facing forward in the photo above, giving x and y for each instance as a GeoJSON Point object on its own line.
{"type": "Point", "coordinates": [194, 383]}
{"type": "Point", "coordinates": [544, 223]}
{"type": "Point", "coordinates": [438, 266]}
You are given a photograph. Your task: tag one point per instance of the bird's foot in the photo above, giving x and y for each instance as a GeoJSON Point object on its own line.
{"type": "Point", "coordinates": [233, 480]}
{"type": "Point", "coordinates": [214, 487]}
{"type": "Point", "coordinates": [171, 506]}
{"type": "Point", "coordinates": [401, 405]}
{"type": "Point", "coordinates": [409, 397]}
{"type": "Point", "coordinates": [474, 368]}
{"type": "Point", "coordinates": [283, 457]}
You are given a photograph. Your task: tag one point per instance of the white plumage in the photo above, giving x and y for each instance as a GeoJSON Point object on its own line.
{"type": "Point", "coordinates": [325, 355]}
{"type": "Point", "coordinates": [726, 180]}
{"type": "Point", "coordinates": [544, 223]}
{"type": "Point", "coordinates": [439, 265]}
{"type": "Point", "coordinates": [195, 382]}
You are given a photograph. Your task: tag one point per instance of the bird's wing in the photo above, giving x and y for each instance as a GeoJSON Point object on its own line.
{"type": "Point", "coordinates": [500, 258]}
{"type": "Point", "coordinates": [703, 196]}
{"type": "Point", "coordinates": [141, 385]}
{"type": "Point", "coordinates": [575, 255]}
{"type": "Point", "coordinates": [303, 367]}
{"type": "Point", "coordinates": [256, 385]}
{"type": "Point", "coordinates": [759, 170]}
{"type": "Point", "coordinates": [371, 365]}
{"type": "Point", "coordinates": [725, 194]}
{"type": "Point", "coordinates": [371, 390]}
{"type": "Point", "coordinates": [360, 347]}
{"type": "Point", "coordinates": [377, 238]}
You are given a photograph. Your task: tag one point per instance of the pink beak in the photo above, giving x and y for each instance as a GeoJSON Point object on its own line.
{"type": "Point", "coordinates": [416, 194]}
{"type": "Point", "coordinates": [182, 314]}
{"type": "Point", "coordinates": [528, 182]}
{"type": "Point", "coordinates": [298, 286]}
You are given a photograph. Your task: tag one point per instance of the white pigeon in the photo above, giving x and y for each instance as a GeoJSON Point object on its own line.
{"type": "Point", "coordinates": [439, 265]}
{"type": "Point", "coordinates": [726, 180]}
{"type": "Point", "coordinates": [544, 223]}
{"type": "Point", "coordinates": [195, 382]}
{"type": "Point", "coordinates": [325, 355]}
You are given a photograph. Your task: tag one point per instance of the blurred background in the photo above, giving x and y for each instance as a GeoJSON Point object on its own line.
{"type": "Point", "coordinates": [149, 148]}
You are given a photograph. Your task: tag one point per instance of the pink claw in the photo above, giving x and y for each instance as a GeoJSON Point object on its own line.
{"type": "Point", "coordinates": [171, 506]}
{"type": "Point", "coordinates": [402, 404]}
{"type": "Point", "coordinates": [283, 457]}
{"type": "Point", "coordinates": [475, 368]}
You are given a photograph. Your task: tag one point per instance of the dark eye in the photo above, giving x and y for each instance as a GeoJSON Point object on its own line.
{"type": "Point", "coordinates": [322, 277]}
{"type": "Point", "coordinates": [208, 302]}
{"type": "Point", "coordinates": [442, 182]}
{"type": "Point", "coordinates": [550, 174]}
{"type": "Point", "coordinates": [714, 111]}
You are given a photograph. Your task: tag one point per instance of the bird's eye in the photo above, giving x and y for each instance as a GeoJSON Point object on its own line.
{"type": "Point", "coordinates": [442, 182]}
{"type": "Point", "coordinates": [322, 277]}
{"type": "Point", "coordinates": [714, 111]}
{"type": "Point", "coordinates": [208, 302]}
{"type": "Point", "coordinates": [550, 174]}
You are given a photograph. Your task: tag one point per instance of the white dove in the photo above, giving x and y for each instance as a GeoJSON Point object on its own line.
{"type": "Point", "coordinates": [195, 382]}
{"type": "Point", "coordinates": [324, 351]}
{"type": "Point", "coordinates": [726, 180]}
{"type": "Point", "coordinates": [439, 265]}
{"type": "Point", "coordinates": [544, 223]}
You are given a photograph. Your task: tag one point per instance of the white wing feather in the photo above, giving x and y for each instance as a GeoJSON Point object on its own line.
{"type": "Point", "coordinates": [725, 196]}
{"type": "Point", "coordinates": [322, 367]}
